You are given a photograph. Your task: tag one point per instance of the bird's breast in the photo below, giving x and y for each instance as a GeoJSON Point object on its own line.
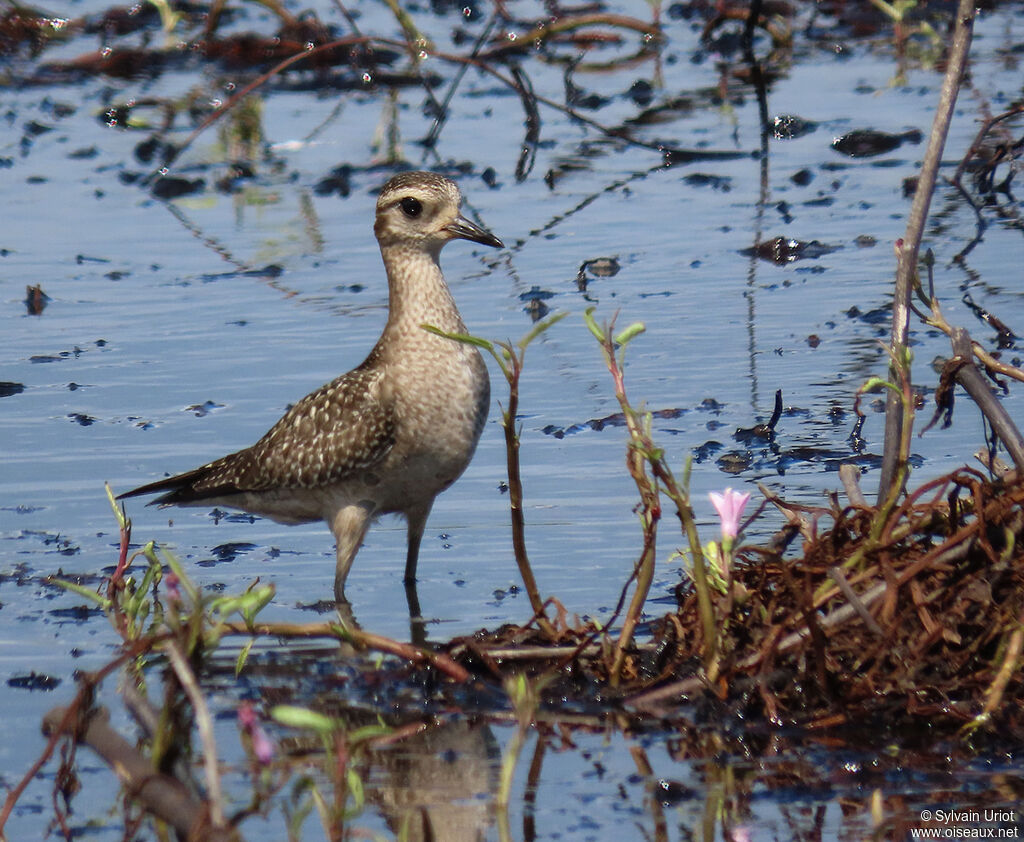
{"type": "Point", "coordinates": [441, 401]}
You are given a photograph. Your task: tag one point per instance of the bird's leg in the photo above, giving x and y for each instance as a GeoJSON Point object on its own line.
{"type": "Point", "coordinates": [417, 519]}
{"type": "Point", "coordinates": [417, 625]}
{"type": "Point", "coordinates": [349, 525]}
{"type": "Point", "coordinates": [347, 618]}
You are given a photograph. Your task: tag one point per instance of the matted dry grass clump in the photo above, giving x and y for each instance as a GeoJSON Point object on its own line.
{"type": "Point", "coordinates": [917, 616]}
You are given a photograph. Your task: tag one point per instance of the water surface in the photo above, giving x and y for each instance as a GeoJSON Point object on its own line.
{"type": "Point", "coordinates": [176, 332]}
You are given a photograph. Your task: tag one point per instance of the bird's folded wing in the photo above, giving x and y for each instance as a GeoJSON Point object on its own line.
{"type": "Point", "coordinates": [342, 427]}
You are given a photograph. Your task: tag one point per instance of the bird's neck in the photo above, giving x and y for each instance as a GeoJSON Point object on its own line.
{"type": "Point", "coordinates": [417, 292]}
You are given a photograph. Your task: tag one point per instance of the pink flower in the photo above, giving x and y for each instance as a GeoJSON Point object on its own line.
{"type": "Point", "coordinates": [247, 716]}
{"type": "Point", "coordinates": [171, 583]}
{"type": "Point", "coordinates": [262, 747]}
{"type": "Point", "coordinates": [729, 506]}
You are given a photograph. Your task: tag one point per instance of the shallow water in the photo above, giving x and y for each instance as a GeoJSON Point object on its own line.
{"type": "Point", "coordinates": [156, 352]}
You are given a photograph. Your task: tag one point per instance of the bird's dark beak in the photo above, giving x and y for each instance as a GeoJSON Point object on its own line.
{"type": "Point", "coordinates": [467, 230]}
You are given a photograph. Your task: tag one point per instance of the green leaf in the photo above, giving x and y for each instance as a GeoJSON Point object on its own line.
{"type": "Point", "coordinates": [243, 656]}
{"type": "Point", "coordinates": [877, 383]}
{"type": "Point", "coordinates": [464, 338]}
{"type": "Point", "coordinates": [296, 717]}
{"type": "Point", "coordinates": [355, 788]}
{"type": "Point", "coordinates": [122, 521]}
{"type": "Point", "coordinates": [630, 333]}
{"type": "Point", "coordinates": [168, 17]}
{"type": "Point", "coordinates": [153, 572]}
{"type": "Point", "coordinates": [369, 732]}
{"type": "Point", "coordinates": [592, 325]}
{"type": "Point", "coordinates": [260, 598]}
{"type": "Point", "coordinates": [247, 604]}
{"type": "Point", "coordinates": [517, 687]}
{"type": "Point", "coordinates": [85, 593]}
{"type": "Point", "coordinates": [540, 327]}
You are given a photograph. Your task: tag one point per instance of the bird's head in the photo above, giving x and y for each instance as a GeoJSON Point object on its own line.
{"type": "Point", "coordinates": [420, 210]}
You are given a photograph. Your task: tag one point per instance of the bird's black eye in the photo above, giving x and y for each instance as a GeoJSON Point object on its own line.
{"type": "Point", "coordinates": [411, 207]}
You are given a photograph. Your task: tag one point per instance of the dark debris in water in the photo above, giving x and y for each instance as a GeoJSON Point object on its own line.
{"type": "Point", "coordinates": [63, 355]}
{"type": "Point", "coordinates": [535, 293]}
{"type": "Point", "coordinates": [866, 143]}
{"type": "Point", "coordinates": [217, 515]}
{"type": "Point", "coordinates": [201, 410]}
{"type": "Point", "coordinates": [76, 613]}
{"type": "Point", "coordinates": [271, 270]}
{"type": "Point", "coordinates": [602, 267]}
{"type": "Point", "coordinates": [22, 509]}
{"type": "Point", "coordinates": [35, 300]}
{"type": "Point", "coordinates": [715, 182]}
{"type": "Point", "coordinates": [34, 681]}
{"type": "Point", "coordinates": [323, 606]}
{"type": "Point", "coordinates": [174, 187]}
{"type": "Point", "coordinates": [535, 299]}
{"type": "Point", "coordinates": [231, 551]}
{"type": "Point", "coordinates": [790, 126]}
{"type": "Point", "coordinates": [877, 316]}
{"type": "Point", "coordinates": [63, 545]}
{"type": "Point", "coordinates": [82, 419]}
{"type": "Point", "coordinates": [783, 250]}
{"type": "Point", "coordinates": [337, 182]}
{"type": "Point", "coordinates": [615, 420]}
{"type": "Point", "coordinates": [735, 461]}
{"type": "Point", "coordinates": [536, 309]}
{"type": "Point", "coordinates": [598, 267]}
{"type": "Point", "coordinates": [705, 451]}
{"type": "Point", "coordinates": [760, 448]}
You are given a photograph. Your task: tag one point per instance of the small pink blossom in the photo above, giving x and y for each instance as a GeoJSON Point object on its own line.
{"type": "Point", "coordinates": [262, 746]}
{"type": "Point", "coordinates": [729, 506]}
{"type": "Point", "coordinates": [171, 583]}
{"type": "Point", "coordinates": [247, 716]}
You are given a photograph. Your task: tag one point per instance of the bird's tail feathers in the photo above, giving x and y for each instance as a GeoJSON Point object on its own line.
{"type": "Point", "coordinates": [180, 489]}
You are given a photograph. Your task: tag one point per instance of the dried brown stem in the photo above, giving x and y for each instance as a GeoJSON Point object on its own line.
{"type": "Point", "coordinates": [906, 268]}
{"type": "Point", "coordinates": [849, 475]}
{"type": "Point", "coordinates": [515, 497]}
{"type": "Point", "coordinates": [204, 723]}
{"type": "Point", "coordinates": [357, 637]}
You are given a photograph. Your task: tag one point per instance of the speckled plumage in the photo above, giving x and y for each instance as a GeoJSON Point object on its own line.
{"type": "Point", "coordinates": [389, 435]}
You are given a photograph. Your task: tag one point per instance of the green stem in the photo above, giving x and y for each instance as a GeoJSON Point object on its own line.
{"type": "Point", "coordinates": [705, 604]}
{"type": "Point", "coordinates": [644, 452]}
{"type": "Point", "coordinates": [515, 495]}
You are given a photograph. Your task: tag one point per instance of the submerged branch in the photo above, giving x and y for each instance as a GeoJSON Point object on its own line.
{"type": "Point", "coordinates": [162, 795]}
{"type": "Point", "coordinates": [971, 379]}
